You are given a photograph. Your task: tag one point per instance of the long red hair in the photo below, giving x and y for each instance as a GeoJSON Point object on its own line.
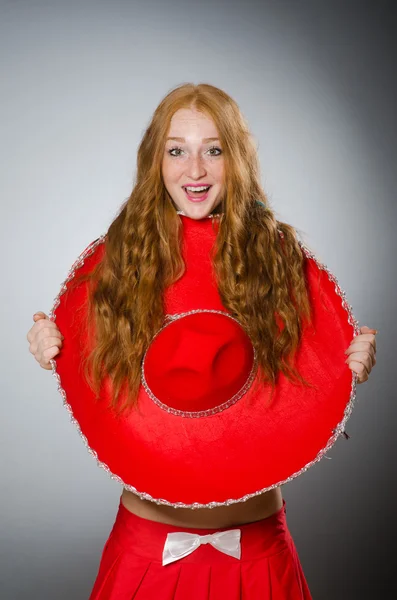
{"type": "Point", "coordinates": [260, 274]}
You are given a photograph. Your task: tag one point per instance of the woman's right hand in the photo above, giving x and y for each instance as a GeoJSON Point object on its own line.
{"type": "Point", "coordinates": [45, 339]}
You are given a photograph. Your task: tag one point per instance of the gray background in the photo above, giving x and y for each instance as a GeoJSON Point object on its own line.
{"type": "Point", "coordinates": [80, 80]}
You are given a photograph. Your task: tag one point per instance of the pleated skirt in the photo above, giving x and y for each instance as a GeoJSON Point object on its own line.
{"type": "Point", "coordinates": [131, 564]}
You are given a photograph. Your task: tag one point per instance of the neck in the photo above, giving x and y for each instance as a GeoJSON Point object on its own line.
{"type": "Point", "coordinates": [210, 216]}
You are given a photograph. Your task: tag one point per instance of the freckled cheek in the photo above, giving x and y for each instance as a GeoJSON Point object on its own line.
{"type": "Point", "coordinates": [218, 173]}
{"type": "Point", "coordinates": [176, 173]}
{"type": "Point", "coordinates": [171, 172]}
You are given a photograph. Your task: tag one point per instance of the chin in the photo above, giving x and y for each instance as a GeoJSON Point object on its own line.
{"type": "Point", "coordinates": [197, 210]}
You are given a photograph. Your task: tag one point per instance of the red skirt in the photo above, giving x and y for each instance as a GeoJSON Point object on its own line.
{"type": "Point", "coordinates": [131, 564]}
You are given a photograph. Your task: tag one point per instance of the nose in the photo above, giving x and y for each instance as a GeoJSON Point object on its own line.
{"type": "Point", "coordinates": [195, 167]}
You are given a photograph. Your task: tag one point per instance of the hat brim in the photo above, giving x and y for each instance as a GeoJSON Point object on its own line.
{"type": "Point", "coordinates": [227, 457]}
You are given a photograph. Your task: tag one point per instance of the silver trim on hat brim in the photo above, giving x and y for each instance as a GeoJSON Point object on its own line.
{"type": "Point", "coordinates": [339, 429]}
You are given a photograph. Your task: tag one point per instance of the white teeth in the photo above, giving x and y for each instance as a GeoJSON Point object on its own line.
{"type": "Point", "coordinates": [197, 189]}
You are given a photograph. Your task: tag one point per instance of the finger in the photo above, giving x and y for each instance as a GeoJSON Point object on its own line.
{"type": "Point", "coordinates": [48, 332]}
{"type": "Point", "coordinates": [48, 354]}
{"type": "Point", "coordinates": [46, 366]}
{"type": "Point", "coordinates": [42, 323]}
{"type": "Point", "coordinates": [41, 331]}
{"type": "Point", "coordinates": [39, 315]}
{"type": "Point", "coordinates": [370, 332]}
{"type": "Point", "coordinates": [39, 326]}
{"type": "Point", "coordinates": [30, 335]}
{"type": "Point", "coordinates": [45, 350]}
{"type": "Point", "coordinates": [363, 357]}
{"type": "Point", "coordinates": [49, 342]}
{"type": "Point", "coordinates": [360, 370]}
{"type": "Point", "coordinates": [33, 348]}
{"type": "Point", "coordinates": [366, 329]}
{"type": "Point", "coordinates": [363, 345]}
{"type": "Point", "coordinates": [361, 348]}
{"type": "Point", "coordinates": [38, 337]}
{"type": "Point", "coordinates": [367, 337]}
{"type": "Point", "coordinates": [359, 366]}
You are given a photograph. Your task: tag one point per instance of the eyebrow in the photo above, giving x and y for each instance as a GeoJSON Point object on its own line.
{"type": "Point", "coordinates": [205, 140]}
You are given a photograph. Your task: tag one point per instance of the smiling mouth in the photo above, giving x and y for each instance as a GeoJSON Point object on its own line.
{"type": "Point", "coordinates": [199, 193]}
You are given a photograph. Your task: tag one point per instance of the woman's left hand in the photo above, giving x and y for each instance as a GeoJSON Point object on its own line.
{"type": "Point", "coordinates": [361, 353]}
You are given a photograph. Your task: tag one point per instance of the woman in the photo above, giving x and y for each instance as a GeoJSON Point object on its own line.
{"type": "Point", "coordinates": [197, 159]}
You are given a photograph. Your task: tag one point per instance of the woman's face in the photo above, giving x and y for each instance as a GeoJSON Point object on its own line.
{"type": "Point", "coordinates": [193, 160]}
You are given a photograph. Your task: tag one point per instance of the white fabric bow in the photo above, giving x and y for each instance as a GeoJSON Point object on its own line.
{"type": "Point", "coordinates": [180, 544]}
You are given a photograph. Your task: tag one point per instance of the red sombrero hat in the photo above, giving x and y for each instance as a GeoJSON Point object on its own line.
{"type": "Point", "coordinates": [204, 433]}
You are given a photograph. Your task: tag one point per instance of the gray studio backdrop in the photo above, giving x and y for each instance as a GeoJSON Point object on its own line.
{"type": "Point", "coordinates": [79, 82]}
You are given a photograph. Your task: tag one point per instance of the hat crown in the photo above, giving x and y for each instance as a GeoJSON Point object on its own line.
{"type": "Point", "coordinates": [202, 358]}
{"type": "Point", "coordinates": [199, 363]}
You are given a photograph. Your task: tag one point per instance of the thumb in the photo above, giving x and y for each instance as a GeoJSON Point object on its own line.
{"type": "Point", "coordinates": [366, 329]}
{"type": "Point", "coordinates": [39, 315]}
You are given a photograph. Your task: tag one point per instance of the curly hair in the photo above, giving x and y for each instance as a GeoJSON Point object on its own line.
{"type": "Point", "coordinates": [257, 260]}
